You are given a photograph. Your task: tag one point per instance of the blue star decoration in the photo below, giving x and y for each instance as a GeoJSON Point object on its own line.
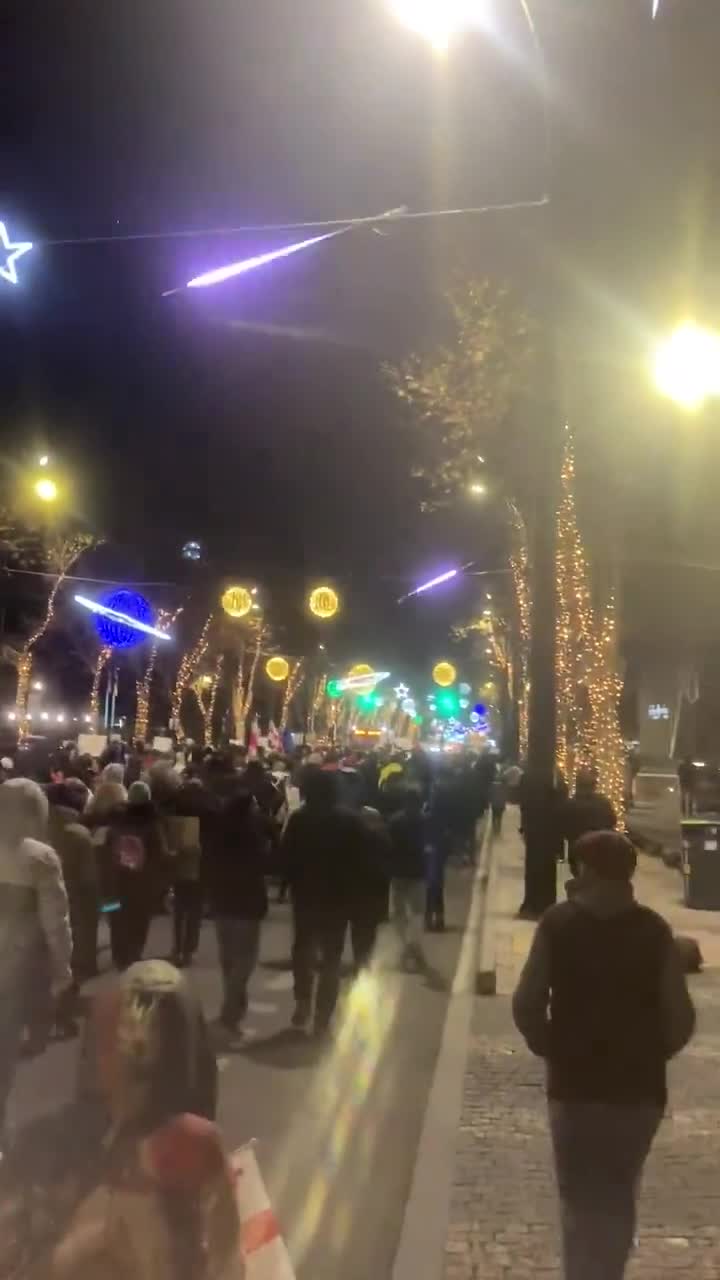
{"type": "Point", "coordinates": [11, 251]}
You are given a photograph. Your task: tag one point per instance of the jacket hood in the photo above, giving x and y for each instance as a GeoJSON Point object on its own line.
{"type": "Point", "coordinates": [63, 816]}
{"type": "Point", "coordinates": [603, 898]}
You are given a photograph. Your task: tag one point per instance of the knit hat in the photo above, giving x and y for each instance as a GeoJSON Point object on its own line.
{"type": "Point", "coordinates": [139, 793]}
{"type": "Point", "coordinates": [609, 854]}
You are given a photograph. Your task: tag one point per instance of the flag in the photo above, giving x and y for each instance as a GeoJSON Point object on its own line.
{"type": "Point", "coordinates": [264, 1250]}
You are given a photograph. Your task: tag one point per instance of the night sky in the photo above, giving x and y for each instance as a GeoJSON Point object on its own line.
{"type": "Point", "coordinates": [254, 416]}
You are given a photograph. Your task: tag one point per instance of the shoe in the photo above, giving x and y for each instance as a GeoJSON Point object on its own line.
{"type": "Point", "coordinates": [301, 1016]}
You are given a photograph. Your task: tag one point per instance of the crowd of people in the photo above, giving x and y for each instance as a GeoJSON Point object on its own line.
{"type": "Point", "coordinates": [354, 840]}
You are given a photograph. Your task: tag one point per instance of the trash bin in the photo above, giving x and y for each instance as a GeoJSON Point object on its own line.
{"type": "Point", "coordinates": [701, 862]}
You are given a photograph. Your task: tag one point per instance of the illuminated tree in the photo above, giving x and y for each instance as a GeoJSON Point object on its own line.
{"type": "Point", "coordinates": [60, 557]}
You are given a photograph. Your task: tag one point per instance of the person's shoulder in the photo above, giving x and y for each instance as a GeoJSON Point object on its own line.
{"type": "Point", "coordinates": [40, 855]}
{"type": "Point", "coordinates": [184, 1153]}
{"type": "Point", "coordinates": [653, 920]}
{"type": "Point", "coordinates": [556, 916]}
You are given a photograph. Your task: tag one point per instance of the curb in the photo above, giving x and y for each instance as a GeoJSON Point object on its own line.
{"type": "Point", "coordinates": [486, 969]}
{"type": "Point", "coordinates": [421, 1247]}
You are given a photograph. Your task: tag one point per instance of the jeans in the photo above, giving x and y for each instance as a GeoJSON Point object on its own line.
{"type": "Point", "coordinates": [187, 912]}
{"type": "Point", "coordinates": [600, 1150]}
{"type": "Point", "coordinates": [317, 950]}
{"type": "Point", "coordinates": [239, 947]}
{"type": "Point", "coordinates": [408, 903]}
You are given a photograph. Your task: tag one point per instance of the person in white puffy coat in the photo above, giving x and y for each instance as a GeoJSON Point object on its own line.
{"type": "Point", "coordinates": [35, 936]}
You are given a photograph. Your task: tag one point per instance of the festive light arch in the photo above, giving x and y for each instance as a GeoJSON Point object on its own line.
{"type": "Point", "coordinates": [277, 668]}
{"type": "Point", "coordinates": [237, 602]}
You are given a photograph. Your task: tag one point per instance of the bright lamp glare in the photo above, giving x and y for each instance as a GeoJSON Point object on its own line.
{"type": "Point", "coordinates": [46, 490]}
{"type": "Point", "coordinates": [437, 21]}
{"type": "Point", "coordinates": [687, 366]}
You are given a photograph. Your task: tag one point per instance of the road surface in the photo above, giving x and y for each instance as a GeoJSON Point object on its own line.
{"type": "Point", "coordinates": [337, 1128]}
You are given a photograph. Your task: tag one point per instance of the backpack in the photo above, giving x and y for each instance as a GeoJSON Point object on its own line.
{"type": "Point", "coordinates": [129, 852]}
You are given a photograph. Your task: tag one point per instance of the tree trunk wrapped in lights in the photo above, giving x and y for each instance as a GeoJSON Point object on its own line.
{"type": "Point", "coordinates": [103, 658]}
{"type": "Point", "coordinates": [294, 681]}
{"type": "Point", "coordinates": [588, 682]}
{"type": "Point", "coordinates": [144, 687]}
{"type": "Point", "coordinates": [205, 689]}
{"type": "Point", "coordinates": [316, 703]}
{"type": "Point", "coordinates": [186, 673]}
{"type": "Point", "coordinates": [60, 558]}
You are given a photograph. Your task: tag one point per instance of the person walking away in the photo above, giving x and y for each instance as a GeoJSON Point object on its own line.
{"type": "Point", "coordinates": [687, 777]}
{"type": "Point", "coordinates": [603, 999]}
{"type": "Point", "coordinates": [35, 937]}
{"type": "Point", "coordinates": [408, 839]}
{"type": "Point", "coordinates": [498, 802]}
{"type": "Point", "coordinates": [73, 844]}
{"type": "Point", "coordinates": [333, 861]}
{"type": "Point", "coordinates": [183, 835]}
{"type": "Point", "coordinates": [588, 810]}
{"type": "Point", "coordinates": [237, 855]}
{"type": "Point", "coordinates": [139, 867]}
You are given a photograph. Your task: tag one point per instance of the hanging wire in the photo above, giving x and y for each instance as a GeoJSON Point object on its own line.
{"type": "Point", "coordinates": [402, 214]}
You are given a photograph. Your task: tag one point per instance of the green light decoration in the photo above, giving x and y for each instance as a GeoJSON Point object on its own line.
{"type": "Point", "coordinates": [368, 701]}
{"type": "Point", "coordinates": [333, 689]}
{"type": "Point", "coordinates": [447, 704]}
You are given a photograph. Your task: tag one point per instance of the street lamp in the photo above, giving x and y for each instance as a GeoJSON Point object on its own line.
{"type": "Point", "coordinates": [46, 489]}
{"type": "Point", "coordinates": [478, 490]}
{"type": "Point", "coordinates": [437, 21]}
{"type": "Point", "coordinates": [687, 366]}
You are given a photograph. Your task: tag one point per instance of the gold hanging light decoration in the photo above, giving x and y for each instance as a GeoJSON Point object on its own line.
{"type": "Point", "coordinates": [444, 674]}
{"type": "Point", "coordinates": [237, 601]}
{"type": "Point", "coordinates": [277, 668]}
{"type": "Point", "coordinates": [323, 602]}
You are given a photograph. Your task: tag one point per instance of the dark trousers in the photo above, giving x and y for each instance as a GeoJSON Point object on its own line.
{"type": "Point", "coordinates": [84, 924]}
{"type": "Point", "coordinates": [363, 933]}
{"type": "Point", "coordinates": [497, 821]}
{"type": "Point", "coordinates": [239, 948]}
{"type": "Point", "coordinates": [435, 882]}
{"type": "Point", "coordinates": [600, 1150]}
{"type": "Point", "coordinates": [129, 928]}
{"type": "Point", "coordinates": [317, 954]}
{"type": "Point", "coordinates": [187, 916]}
{"type": "Point", "coordinates": [687, 800]}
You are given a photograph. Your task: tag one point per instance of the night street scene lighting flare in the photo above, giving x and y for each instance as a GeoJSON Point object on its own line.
{"type": "Point", "coordinates": [116, 616]}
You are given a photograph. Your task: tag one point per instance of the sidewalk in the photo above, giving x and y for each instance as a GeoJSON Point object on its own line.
{"type": "Point", "coordinates": [503, 1210]}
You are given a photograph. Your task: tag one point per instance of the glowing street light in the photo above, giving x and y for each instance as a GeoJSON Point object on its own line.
{"type": "Point", "coordinates": [46, 489]}
{"type": "Point", "coordinates": [477, 489]}
{"type": "Point", "coordinates": [687, 366]}
{"type": "Point", "coordinates": [437, 21]}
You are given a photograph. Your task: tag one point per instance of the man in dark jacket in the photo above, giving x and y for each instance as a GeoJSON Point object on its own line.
{"type": "Point", "coordinates": [138, 866]}
{"type": "Point", "coordinates": [603, 999]}
{"type": "Point", "coordinates": [334, 863]}
{"type": "Point", "coordinates": [235, 849]}
{"type": "Point", "coordinates": [408, 840]}
{"type": "Point", "coordinates": [588, 810]}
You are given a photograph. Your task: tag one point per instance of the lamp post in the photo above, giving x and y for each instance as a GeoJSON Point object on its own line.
{"type": "Point", "coordinates": [439, 21]}
{"type": "Point", "coordinates": [686, 366]}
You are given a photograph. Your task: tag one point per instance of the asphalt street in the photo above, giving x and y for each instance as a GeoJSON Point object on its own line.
{"type": "Point", "coordinates": [337, 1126]}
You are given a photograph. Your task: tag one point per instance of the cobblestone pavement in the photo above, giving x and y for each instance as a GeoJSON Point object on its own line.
{"type": "Point", "coordinates": [503, 1212]}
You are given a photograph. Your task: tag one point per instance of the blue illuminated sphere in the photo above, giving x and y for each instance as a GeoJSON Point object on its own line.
{"type": "Point", "coordinates": [117, 634]}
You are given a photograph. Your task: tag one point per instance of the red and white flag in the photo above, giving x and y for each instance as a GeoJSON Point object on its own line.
{"type": "Point", "coordinates": [264, 1250]}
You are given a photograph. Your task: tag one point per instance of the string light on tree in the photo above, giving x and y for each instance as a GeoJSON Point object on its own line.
{"type": "Point", "coordinates": [186, 671]}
